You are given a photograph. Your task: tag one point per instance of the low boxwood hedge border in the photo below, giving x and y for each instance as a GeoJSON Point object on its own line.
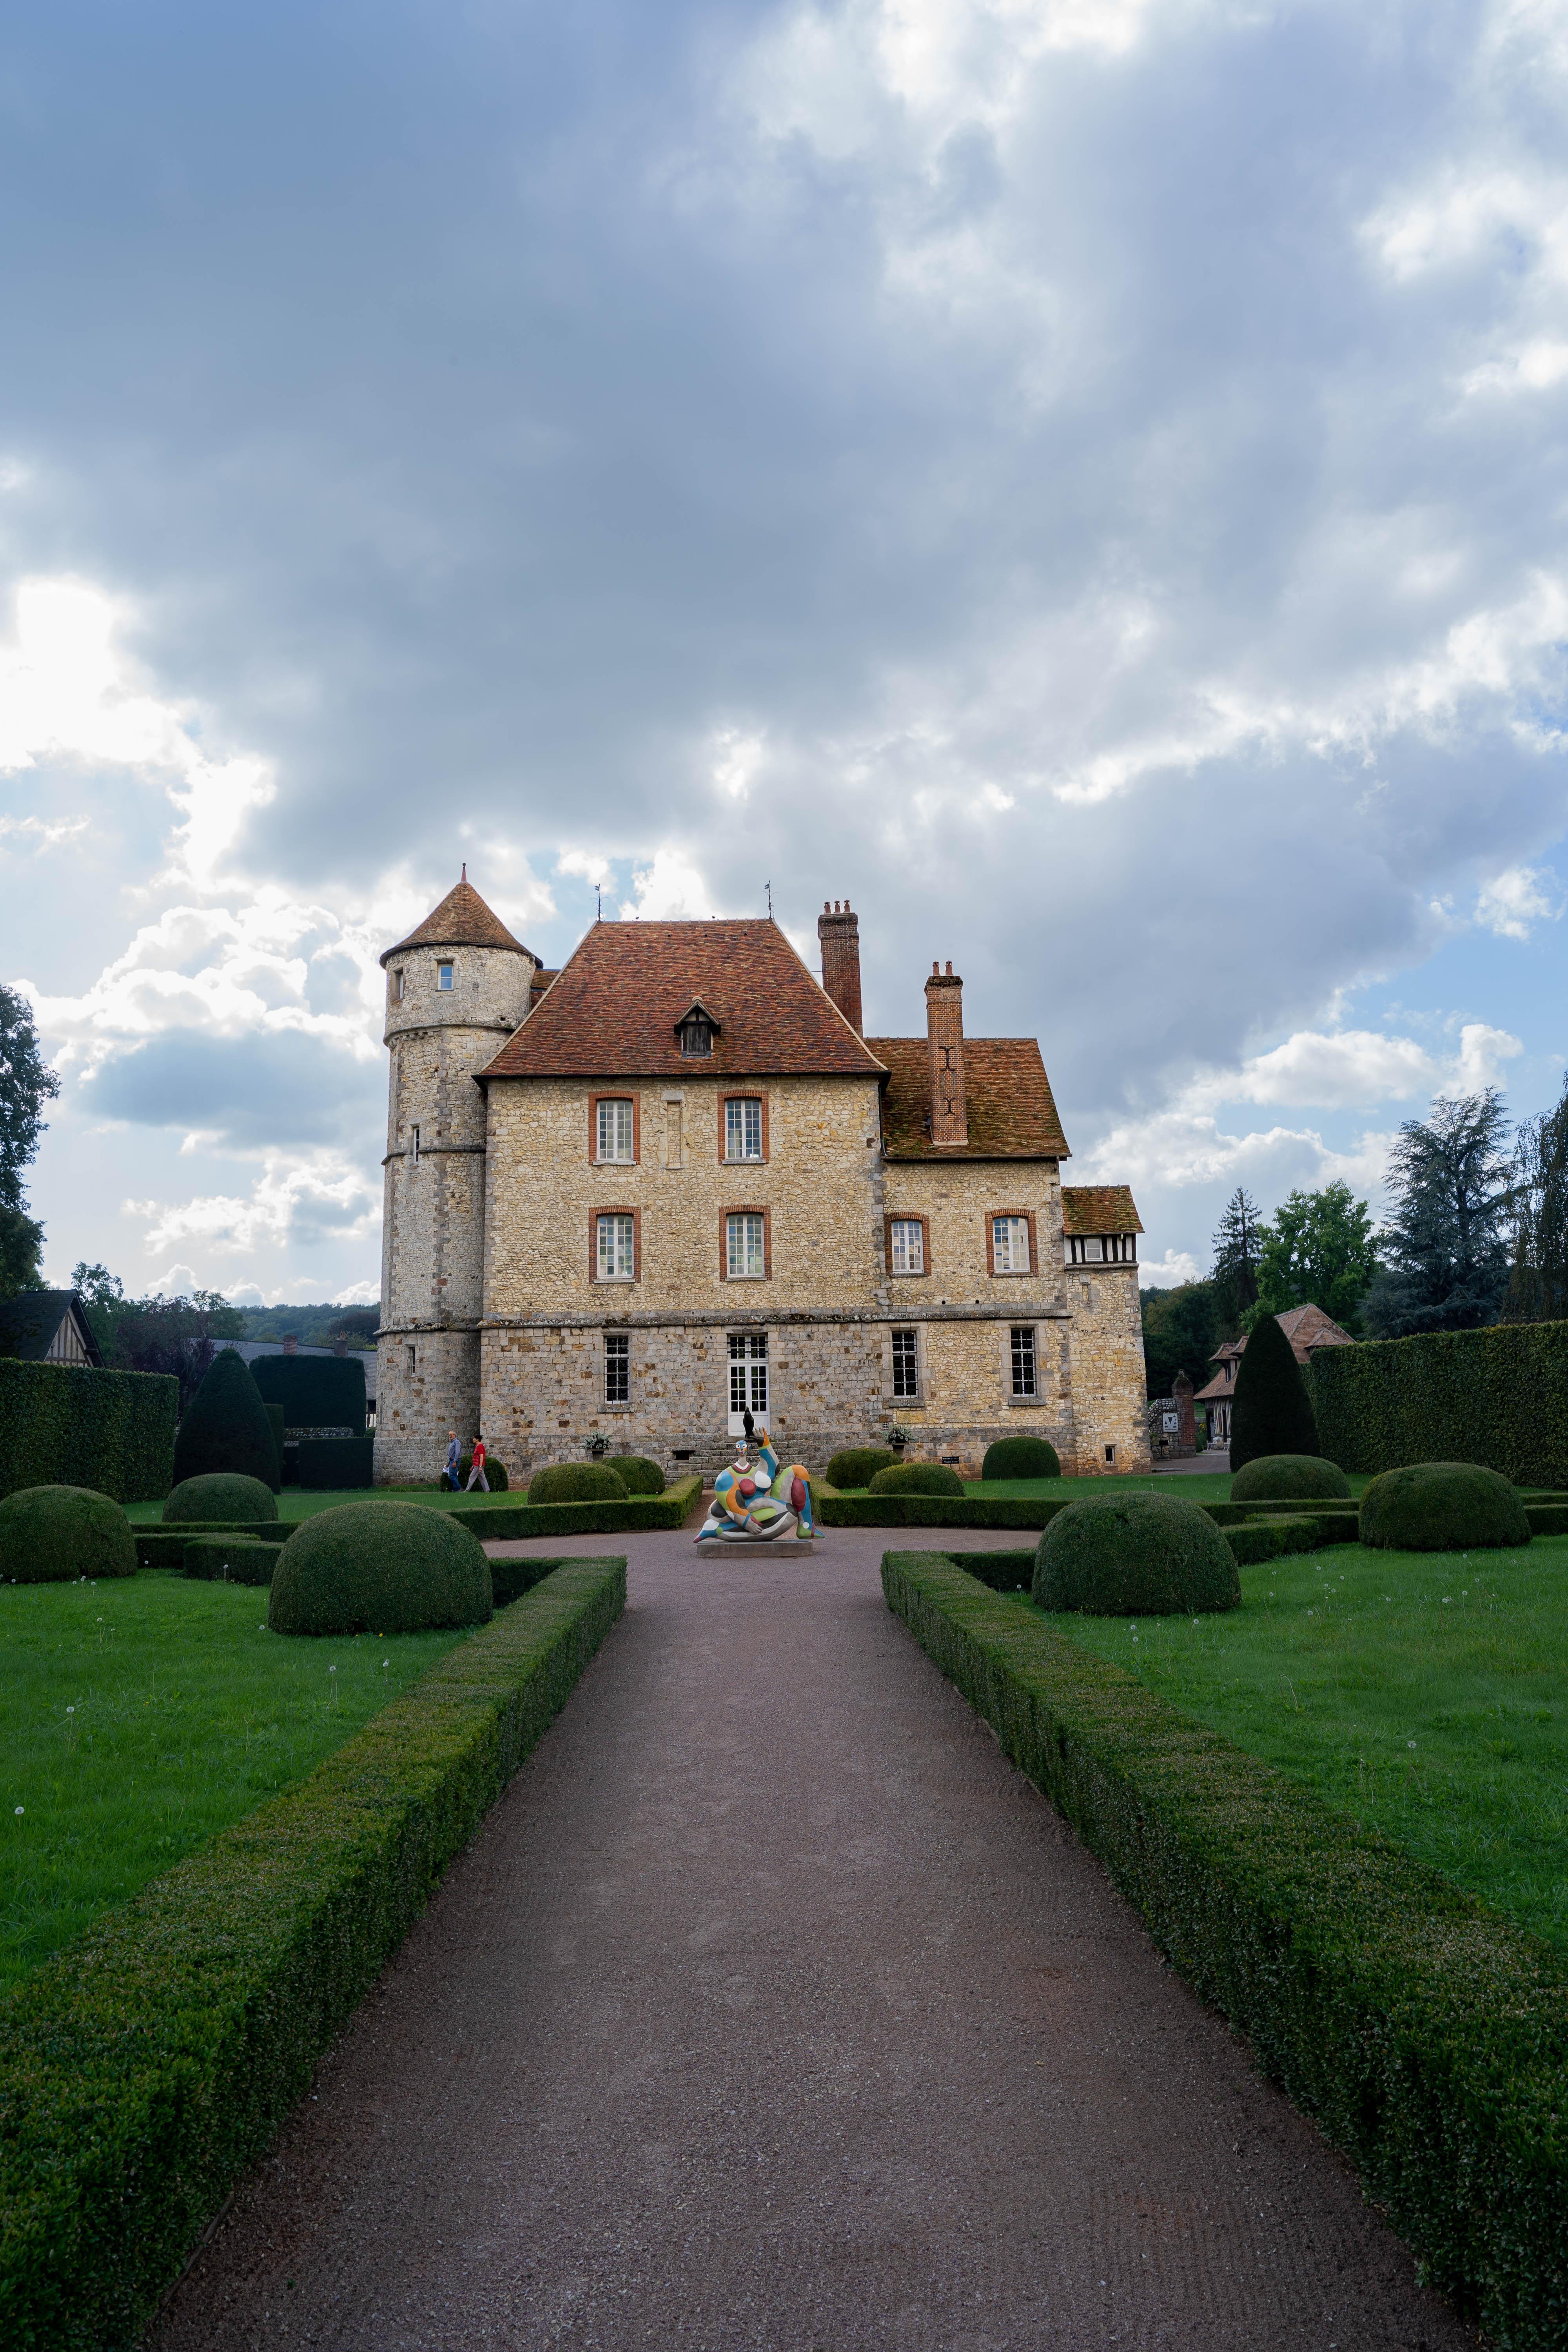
{"type": "Point", "coordinates": [226, 1559]}
{"type": "Point", "coordinates": [511, 1522]}
{"type": "Point", "coordinates": [146, 2066]}
{"type": "Point", "coordinates": [1426, 2036]}
{"type": "Point", "coordinates": [840, 1510]}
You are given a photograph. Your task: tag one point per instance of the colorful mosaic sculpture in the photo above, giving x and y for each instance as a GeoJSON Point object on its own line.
{"type": "Point", "coordinates": [756, 1502]}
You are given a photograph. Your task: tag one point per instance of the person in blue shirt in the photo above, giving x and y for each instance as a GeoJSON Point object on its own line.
{"type": "Point", "coordinates": [454, 1462]}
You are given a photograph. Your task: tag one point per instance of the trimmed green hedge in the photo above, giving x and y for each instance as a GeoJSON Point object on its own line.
{"type": "Point", "coordinates": [165, 1547]}
{"type": "Point", "coordinates": [917, 1478]}
{"type": "Point", "coordinates": [1289, 1478]}
{"type": "Point", "coordinates": [637, 1474]}
{"type": "Point", "coordinates": [315, 1391]}
{"type": "Point", "coordinates": [1021, 1457]}
{"type": "Point", "coordinates": [1547, 1518]}
{"type": "Point", "coordinates": [52, 1535]}
{"type": "Point", "coordinates": [1426, 2036]}
{"type": "Point", "coordinates": [506, 1522]}
{"type": "Point", "coordinates": [1443, 1507]}
{"type": "Point", "coordinates": [575, 1482]}
{"type": "Point", "coordinates": [380, 1568]}
{"type": "Point", "coordinates": [327, 1464]}
{"type": "Point", "coordinates": [856, 1465]}
{"type": "Point", "coordinates": [220, 1498]}
{"type": "Point", "coordinates": [1267, 1537]}
{"type": "Point", "coordinates": [147, 2065]}
{"type": "Point", "coordinates": [1134, 1555]}
{"type": "Point", "coordinates": [232, 1560]}
{"type": "Point", "coordinates": [63, 1422]}
{"type": "Point", "coordinates": [1498, 1397]}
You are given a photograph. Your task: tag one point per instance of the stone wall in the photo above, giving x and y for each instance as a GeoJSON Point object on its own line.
{"type": "Point", "coordinates": [1107, 1371]}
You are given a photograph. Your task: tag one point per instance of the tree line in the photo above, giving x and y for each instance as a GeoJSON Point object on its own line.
{"type": "Point", "coordinates": [1476, 1233]}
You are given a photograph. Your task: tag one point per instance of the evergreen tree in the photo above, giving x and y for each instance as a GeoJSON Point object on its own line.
{"type": "Point", "coordinates": [1318, 1251]}
{"type": "Point", "coordinates": [1538, 1292]}
{"type": "Point", "coordinates": [26, 1083]}
{"type": "Point", "coordinates": [1182, 1328]}
{"type": "Point", "coordinates": [226, 1427]}
{"type": "Point", "coordinates": [1237, 1248]}
{"type": "Point", "coordinates": [1444, 1255]}
{"type": "Point", "coordinates": [1272, 1413]}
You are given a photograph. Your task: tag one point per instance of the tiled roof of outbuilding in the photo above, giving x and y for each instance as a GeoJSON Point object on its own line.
{"type": "Point", "coordinates": [611, 1010]}
{"type": "Point", "coordinates": [461, 920]}
{"type": "Point", "coordinates": [29, 1321]}
{"type": "Point", "coordinates": [1012, 1113]}
{"type": "Point", "coordinates": [1099, 1208]}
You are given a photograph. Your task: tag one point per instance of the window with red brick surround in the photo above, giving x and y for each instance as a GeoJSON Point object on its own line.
{"type": "Point", "coordinates": [902, 1217]}
{"type": "Point", "coordinates": [745, 1209]}
{"type": "Point", "coordinates": [1010, 1273]}
{"type": "Point", "coordinates": [620, 1096]}
{"type": "Point", "coordinates": [614, 1209]}
{"type": "Point", "coordinates": [741, 1094]}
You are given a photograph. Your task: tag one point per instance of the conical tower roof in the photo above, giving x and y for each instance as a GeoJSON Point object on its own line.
{"type": "Point", "coordinates": [461, 920]}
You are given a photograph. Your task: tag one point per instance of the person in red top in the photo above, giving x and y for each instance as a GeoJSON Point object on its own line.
{"type": "Point", "coordinates": [478, 1469]}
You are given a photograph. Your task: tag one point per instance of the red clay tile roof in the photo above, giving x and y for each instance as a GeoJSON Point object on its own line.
{"type": "Point", "coordinates": [1099, 1208]}
{"type": "Point", "coordinates": [1012, 1113]}
{"type": "Point", "coordinates": [461, 920]}
{"type": "Point", "coordinates": [613, 1009]}
{"type": "Point", "coordinates": [1305, 1328]}
{"type": "Point", "coordinates": [1217, 1388]}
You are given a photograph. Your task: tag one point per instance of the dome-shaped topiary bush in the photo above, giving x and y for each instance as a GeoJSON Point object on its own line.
{"type": "Point", "coordinates": [856, 1465]}
{"type": "Point", "coordinates": [1271, 1412]}
{"type": "Point", "coordinates": [1441, 1506]}
{"type": "Point", "coordinates": [225, 1426]}
{"type": "Point", "coordinates": [1289, 1478]}
{"type": "Point", "coordinates": [50, 1535]}
{"type": "Point", "coordinates": [380, 1567]}
{"type": "Point", "coordinates": [222, 1496]}
{"type": "Point", "coordinates": [1021, 1457]}
{"type": "Point", "coordinates": [918, 1479]}
{"type": "Point", "coordinates": [576, 1482]}
{"type": "Point", "coordinates": [1135, 1556]}
{"type": "Point", "coordinates": [637, 1474]}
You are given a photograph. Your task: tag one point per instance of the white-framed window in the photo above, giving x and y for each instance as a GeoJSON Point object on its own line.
{"type": "Point", "coordinates": [744, 1127]}
{"type": "Point", "coordinates": [443, 975]}
{"type": "Point", "coordinates": [906, 1364]}
{"type": "Point", "coordinates": [748, 1378]}
{"type": "Point", "coordinates": [907, 1245]}
{"type": "Point", "coordinates": [1102, 1249]}
{"type": "Point", "coordinates": [617, 1368]}
{"type": "Point", "coordinates": [617, 1246]}
{"type": "Point", "coordinates": [1026, 1378]}
{"type": "Point", "coordinates": [745, 1246]}
{"type": "Point", "coordinates": [1010, 1245]}
{"type": "Point", "coordinates": [614, 1137]}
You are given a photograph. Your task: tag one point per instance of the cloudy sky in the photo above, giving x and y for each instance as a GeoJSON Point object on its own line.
{"type": "Point", "coordinates": [1083, 479]}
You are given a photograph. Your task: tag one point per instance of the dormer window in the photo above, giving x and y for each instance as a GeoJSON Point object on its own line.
{"type": "Point", "coordinates": [443, 975]}
{"type": "Point", "coordinates": [696, 1030]}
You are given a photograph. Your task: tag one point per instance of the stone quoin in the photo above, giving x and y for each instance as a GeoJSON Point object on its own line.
{"type": "Point", "coordinates": [630, 1200]}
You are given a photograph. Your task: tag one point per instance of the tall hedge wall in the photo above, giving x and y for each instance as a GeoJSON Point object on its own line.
{"type": "Point", "coordinates": [1499, 1397]}
{"type": "Point", "coordinates": [315, 1391]}
{"type": "Point", "coordinates": [68, 1425]}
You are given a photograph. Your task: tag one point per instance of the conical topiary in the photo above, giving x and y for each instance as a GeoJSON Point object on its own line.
{"type": "Point", "coordinates": [226, 1427]}
{"type": "Point", "coordinates": [1272, 1413]}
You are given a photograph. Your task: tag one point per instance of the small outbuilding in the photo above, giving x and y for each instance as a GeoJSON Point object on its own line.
{"type": "Point", "coordinates": [49, 1327]}
{"type": "Point", "coordinates": [1308, 1328]}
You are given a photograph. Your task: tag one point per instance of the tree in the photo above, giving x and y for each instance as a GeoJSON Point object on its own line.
{"type": "Point", "coordinates": [1237, 1246]}
{"type": "Point", "coordinates": [1538, 1291]}
{"type": "Point", "coordinates": [1444, 1257]}
{"type": "Point", "coordinates": [26, 1083]}
{"type": "Point", "coordinates": [1272, 1413]}
{"type": "Point", "coordinates": [156, 1335]}
{"type": "Point", "coordinates": [1318, 1251]}
{"type": "Point", "coordinates": [1182, 1328]}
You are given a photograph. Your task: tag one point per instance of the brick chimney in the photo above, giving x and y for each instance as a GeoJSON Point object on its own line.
{"type": "Point", "coordinates": [340, 1345]}
{"type": "Point", "coordinates": [839, 932]}
{"type": "Point", "coordinates": [944, 1053]}
{"type": "Point", "coordinates": [290, 1342]}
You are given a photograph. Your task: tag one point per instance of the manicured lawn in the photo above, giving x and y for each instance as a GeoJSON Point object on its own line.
{"type": "Point", "coordinates": [142, 1715]}
{"type": "Point", "coordinates": [1198, 1486]}
{"type": "Point", "coordinates": [296, 1503]}
{"type": "Point", "coordinates": [1423, 1693]}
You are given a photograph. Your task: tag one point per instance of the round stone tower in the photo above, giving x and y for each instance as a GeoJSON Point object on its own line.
{"type": "Point", "coordinates": [456, 989]}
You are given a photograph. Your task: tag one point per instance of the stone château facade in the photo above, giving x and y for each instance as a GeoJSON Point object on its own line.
{"type": "Point", "coordinates": [629, 1199]}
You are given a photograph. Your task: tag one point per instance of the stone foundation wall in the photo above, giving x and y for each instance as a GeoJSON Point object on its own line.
{"type": "Point", "coordinates": [416, 1407]}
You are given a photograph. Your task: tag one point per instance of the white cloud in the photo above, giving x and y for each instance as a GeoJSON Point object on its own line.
{"type": "Point", "coordinates": [1169, 1271]}
{"type": "Point", "coordinates": [1516, 898]}
{"type": "Point", "coordinates": [294, 1199]}
{"type": "Point", "coordinates": [737, 758]}
{"type": "Point", "coordinates": [670, 889]}
{"type": "Point", "coordinates": [43, 834]}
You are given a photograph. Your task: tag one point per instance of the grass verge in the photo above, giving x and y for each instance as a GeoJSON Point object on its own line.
{"type": "Point", "coordinates": [146, 2066]}
{"type": "Point", "coordinates": [1427, 2035]}
{"type": "Point", "coordinates": [1424, 1694]}
{"type": "Point", "coordinates": [142, 1715]}
{"type": "Point", "coordinates": [499, 1518]}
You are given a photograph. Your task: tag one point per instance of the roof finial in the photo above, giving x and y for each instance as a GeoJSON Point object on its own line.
{"type": "Point", "coordinates": [464, 875]}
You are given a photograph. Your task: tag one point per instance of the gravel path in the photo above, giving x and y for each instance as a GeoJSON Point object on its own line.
{"type": "Point", "coordinates": [773, 2008]}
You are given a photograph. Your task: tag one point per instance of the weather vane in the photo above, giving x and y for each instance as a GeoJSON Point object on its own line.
{"type": "Point", "coordinates": [769, 888]}
{"type": "Point", "coordinates": [599, 902]}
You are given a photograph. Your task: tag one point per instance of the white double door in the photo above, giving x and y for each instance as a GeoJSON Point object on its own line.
{"type": "Point", "coordinates": [748, 1378]}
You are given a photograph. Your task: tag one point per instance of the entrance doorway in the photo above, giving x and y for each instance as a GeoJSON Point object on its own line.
{"type": "Point", "coordinates": [748, 1378]}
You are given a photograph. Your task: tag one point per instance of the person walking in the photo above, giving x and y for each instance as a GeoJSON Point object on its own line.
{"type": "Point", "coordinates": [454, 1462]}
{"type": "Point", "coordinates": [478, 1469]}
